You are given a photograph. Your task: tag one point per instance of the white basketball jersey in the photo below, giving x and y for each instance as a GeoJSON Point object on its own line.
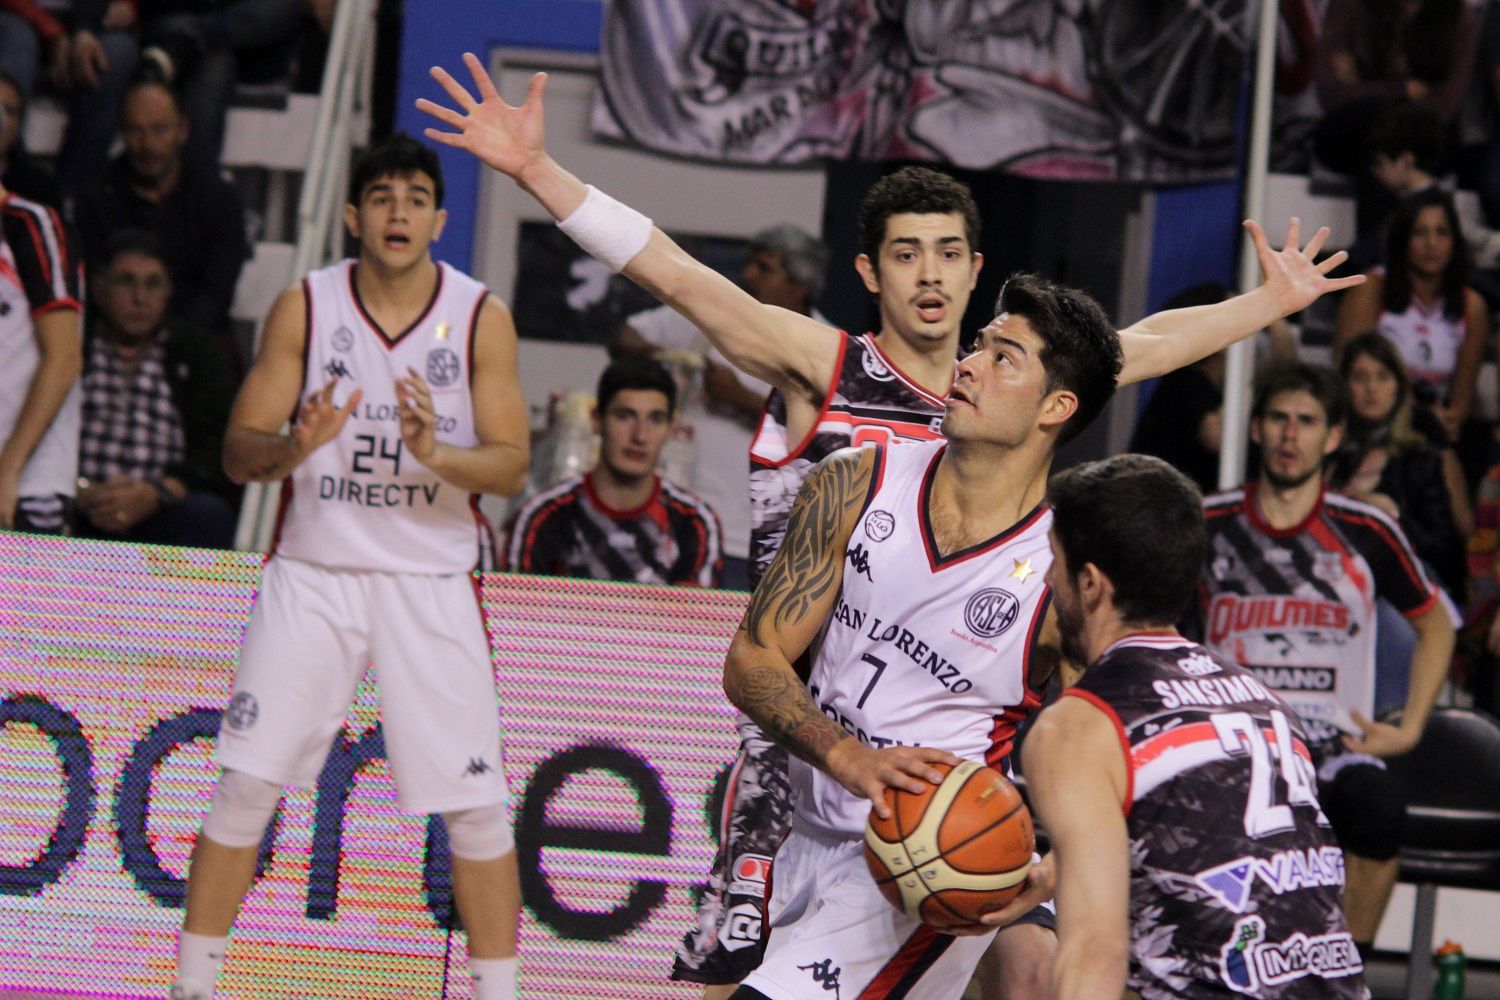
{"type": "Point", "coordinates": [921, 649]}
{"type": "Point", "coordinates": [361, 502]}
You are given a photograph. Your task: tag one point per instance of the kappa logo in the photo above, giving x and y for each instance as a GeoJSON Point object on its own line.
{"type": "Point", "coordinates": [337, 369]}
{"type": "Point", "coordinates": [991, 611]}
{"type": "Point", "coordinates": [343, 339]}
{"type": "Point", "coordinates": [874, 367]}
{"type": "Point", "coordinates": [242, 712]}
{"type": "Point", "coordinates": [860, 560]}
{"type": "Point", "coordinates": [879, 525]}
{"type": "Point", "coordinates": [443, 367]}
{"type": "Point", "coordinates": [825, 974]}
{"type": "Point", "coordinates": [477, 766]}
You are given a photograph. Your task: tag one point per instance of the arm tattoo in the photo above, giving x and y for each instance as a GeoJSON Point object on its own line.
{"type": "Point", "coordinates": [806, 565]}
{"type": "Point", "coordinates": [803, 572]}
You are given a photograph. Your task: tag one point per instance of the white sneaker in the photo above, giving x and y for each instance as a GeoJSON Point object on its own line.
{"type": "Point", "coordinates": [188, 989]}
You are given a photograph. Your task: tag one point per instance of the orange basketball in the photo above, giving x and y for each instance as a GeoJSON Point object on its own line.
{"type": "Point", "coordinates": [953, 851]}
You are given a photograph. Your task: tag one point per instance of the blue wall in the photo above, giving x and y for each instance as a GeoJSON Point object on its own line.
{"type": "Point", "coordinates": [436, 33]}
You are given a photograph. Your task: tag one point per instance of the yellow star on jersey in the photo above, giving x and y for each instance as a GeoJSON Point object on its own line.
{"type": "Point", "coordinates": [442, 331]}
{"type": "Point", "coordinates": [1023, 569]}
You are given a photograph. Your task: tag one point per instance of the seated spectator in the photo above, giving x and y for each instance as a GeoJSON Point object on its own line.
{"type": "Point", "coordinates": [200, 47]}
{"type": "Point", "coordinates": [27, 29]}
{"type": "Point", "coordinates": [1376, 54]}
{"type": "Point", "coordinates": [195, 213]}
{"type": "Point", "coordinates": [1420, 303]}
{"type": "Point", "coordinates": [620, 520]}
{"type": "Point", "coordinates": [40, 357]}
{"type": "Point", "coordinates": [19, 173]}
{"type": "Point", "coordinates": [784, 267]}
{"type": "Point", "coordinates": [1386, 462]}
{"type": "Point", "coordinates": [156, 399]}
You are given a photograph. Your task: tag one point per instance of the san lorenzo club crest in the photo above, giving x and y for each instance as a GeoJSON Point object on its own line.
{"type": "Point", "coordinates": [242, 712]}
{"type": "Point", "coordinates": [991, 611]}
{"type": "Point", "coordinates": [879, 525]}
{"type": "Point", "coordinates": [343, 339]}
{"type": "Point", "coordinates": [442, 367]}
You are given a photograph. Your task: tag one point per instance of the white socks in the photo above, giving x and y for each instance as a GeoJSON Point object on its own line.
{"type": "Point", "coordinates": [199, 959]}
{"type": "Point", "coordinates": [494, 978]}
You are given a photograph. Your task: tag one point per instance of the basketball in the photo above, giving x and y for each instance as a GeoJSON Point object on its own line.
{"type": "Point", "coordinates": [953, 851]}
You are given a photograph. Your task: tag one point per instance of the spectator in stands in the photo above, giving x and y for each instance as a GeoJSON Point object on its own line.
{"type": "Point", "coordinates": [200, 47]}
{"type": "Point", "coordinates": [622, 521]}
{"type": "Point", "coordinates": [1377, 54]}
{"type": "Point", "coordinates": [156, 401]}
{"type": "Point", "coordinates": [27, 29]}
{"type": "Point", "coordinates": [783, 267]}
{"type": "Point", "coordinates": [194, 212]}
{"type": "Point", "coordinates": [1479, 663]}
{"type": "Point", "coordinates": [40, 357]}
{"type": "Point", "coordinates": [102, 56]}
{"type": "Point", "coordinates": [19, 173]}
{"type": "Point", "coordinates": [1420, 303]}
{"type": "Point", "coordinates": [1386, 461]}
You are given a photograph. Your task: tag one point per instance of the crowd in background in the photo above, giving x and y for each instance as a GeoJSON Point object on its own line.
{"type": "Point", "coordinates": [140, 389]}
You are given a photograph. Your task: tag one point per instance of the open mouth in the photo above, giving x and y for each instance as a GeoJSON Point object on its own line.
{"type": "Point", "coordinates": [397, 241]}
{"type": "Point", "coordinates": [931, 308]}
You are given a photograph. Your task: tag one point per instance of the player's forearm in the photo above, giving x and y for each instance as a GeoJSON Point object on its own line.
{"type": "Point", "coordinates": [1089, 967]}
{"type": "Point", "coordinates": [1166, 341]}
{"type": "Point", "coordinates": [1429, 668]}
{"type": "Point", "coordinates": [254, 456]}
{"type": "Point", "coordinates": [766, 688]}
{"type": "Point", "coordinates": [557, 190]}
{"type": "Point", "coordinates": [56, 372]}
{"type": "Point", "coordinates": [494, 468]}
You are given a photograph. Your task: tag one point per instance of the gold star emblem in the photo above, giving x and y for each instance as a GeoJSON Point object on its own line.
{"type": "Point", "coordinates": [442, 331]}
{"type": "Point", "coordinates": [1023, 569]}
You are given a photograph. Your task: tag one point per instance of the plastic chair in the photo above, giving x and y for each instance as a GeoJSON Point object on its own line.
{"type": "Point", "coordinates": [1452, 837]}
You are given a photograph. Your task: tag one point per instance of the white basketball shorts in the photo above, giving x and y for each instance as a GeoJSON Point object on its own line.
{"type": "Point", "coordinates": [832, 932]}
{"type": "Point", "coordinates": [308, 642]}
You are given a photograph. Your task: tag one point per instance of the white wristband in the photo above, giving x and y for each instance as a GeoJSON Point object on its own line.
{"type": "Point", "coordinates": [610, 231]}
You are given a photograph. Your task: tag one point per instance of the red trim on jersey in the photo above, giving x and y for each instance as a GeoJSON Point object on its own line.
{"type": "Point", "coordinates": [1003, 732]}
{"type": "Point", "coordinates": [873, 341]}
{"type": "Point", "coordinates": [620, 515]}
{"type": "Point", "coordinates": [385, 338]}
{"type": "Point", "coordinates": [828, 393]}
{"type": "Point", "coordinates": [915, 956]}
{"type": "Point", "coordinates": [474, 331]}
{"type": "Point", "coordinates": [67, 303]}
{"type": "Point", "coordinates": [938, 562]}
{"type": "Point", "coordinates": [307, 332]}
{"type": "Point", "coordinates": [485, 530]}
{"type": "Point", "coordinates": [1259, 523]}
{"type": "Point", "coordinates": [1114, 720]}
{"type": "Point", "coordinates": [1383, 531]}
{"type": "Point", "coordinates": [528, 532]}
{"type": "Point", "coordinates": [38, 244]}
{"type": "Point", "coordinates": [700, 529]}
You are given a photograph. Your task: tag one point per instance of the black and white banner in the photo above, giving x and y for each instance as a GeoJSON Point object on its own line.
{"type": "Point", "coordinates": [1141, 90]}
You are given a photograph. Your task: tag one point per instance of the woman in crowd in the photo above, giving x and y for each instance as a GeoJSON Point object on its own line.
{"type": "Point", "coordinates": [1420, 303]}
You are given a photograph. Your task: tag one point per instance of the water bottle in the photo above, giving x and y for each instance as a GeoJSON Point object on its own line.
{"type": "Point", "coordinates": [1450, 972]}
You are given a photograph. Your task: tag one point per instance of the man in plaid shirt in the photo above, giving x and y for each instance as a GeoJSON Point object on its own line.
{"type": "Point", "coordinates": [155, 404]}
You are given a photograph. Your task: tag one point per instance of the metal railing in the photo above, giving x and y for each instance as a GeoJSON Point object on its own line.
{"type": "Point", "coordinates": [343, 122]}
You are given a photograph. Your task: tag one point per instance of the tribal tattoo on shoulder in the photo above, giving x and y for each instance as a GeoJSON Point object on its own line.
{"type": "Point", "coordinates": [803, 572]}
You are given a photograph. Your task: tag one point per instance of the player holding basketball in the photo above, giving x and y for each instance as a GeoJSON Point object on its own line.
{"type": "Point", "coordinates": [399, 376]}
{"type": "Point", "coordinates": [835, 389]}
{"type": "Point", "coordinates": [1177, 789]}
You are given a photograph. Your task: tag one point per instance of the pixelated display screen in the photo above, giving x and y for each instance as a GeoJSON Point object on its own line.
{"type": "Point", "coordinates": [115, 662]}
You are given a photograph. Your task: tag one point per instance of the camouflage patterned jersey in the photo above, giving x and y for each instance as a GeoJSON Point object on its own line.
{"type": "Point", "coordinates": [1235, 878]}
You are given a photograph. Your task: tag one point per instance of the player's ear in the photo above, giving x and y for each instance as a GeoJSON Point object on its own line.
{"type": "Point", "coordinates": [868, 272]}
{"type": "Point", "coordinates": [1335, 438]}
{"type": "Point", "coordinates": [976, 261]}
{"type": "Point", "coordinates": [1058, 407]}
{"type": "Point", "coordinates": [442, 220]}
{"type": "Point", "coordinates": [351, 219]}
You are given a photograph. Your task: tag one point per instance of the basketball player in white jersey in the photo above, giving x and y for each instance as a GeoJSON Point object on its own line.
{"type": "Point", "coordinates": [922, 270]}
{"type": "Point", "coordinates": [399, 377]}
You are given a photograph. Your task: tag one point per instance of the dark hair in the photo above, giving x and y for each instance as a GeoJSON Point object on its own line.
{"type": "Point", "coordinates": [803, 256]}
{"type": "Point", "coordinates": [1141, 522]}
{"type": "Point", "coordinates": [635, 373]}
{"type": "Point", "coordinates": [1395, 431]}
{"type": "Point", "coordinates": [137, 241]}
{"type": "Point", "coordinates": [140, 85]}
{"type": "Point", "coordinates": [919, 191]}
{"type": "Point", "coordinates": [1396, 297]}
{"type": "Point", "coordinates": [398, 155]}
{"type": "Point", "coordinates": [1318, 382]}
{"type": "Point", "coordinates": [1080, 348]}
{"type": "Point", "coordinates": [1427, 41]}
{"type": "Point", "coordinates": [1410, 129]}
